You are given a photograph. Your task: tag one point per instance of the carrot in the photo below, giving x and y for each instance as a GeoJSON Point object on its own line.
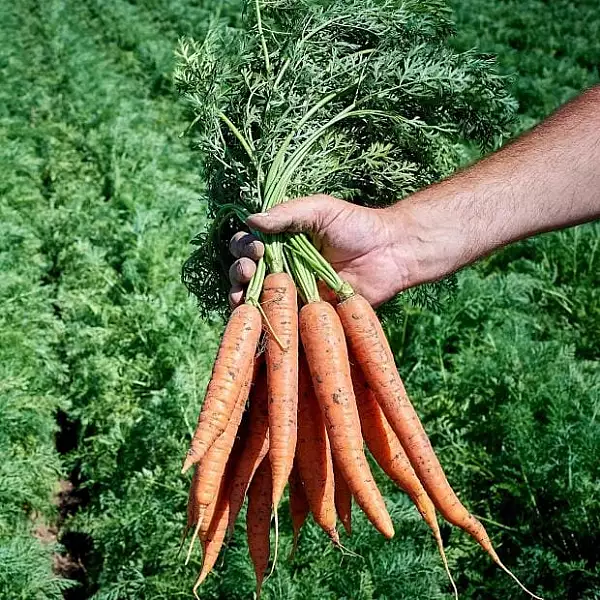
{"type": "Point", "coordinates": [327, 357]}
{"type": "Point", "coordinates": [343, 496]}
{"type": "Point", "coordinates": [280, 305]}
{"type": "Point", "coordinates": [258, 521]}
{"type": "Point", "coordinates": [369, 345]}
{"type": "Point", "coordinates": [255, 447]}
{"type": "Point", "coordinates": [298, 505]}
{"type": "Point", "coordinates": [213, 538]}
{"type": "Point", "coordinates": [214, 522]}
{"type": "Point", "coordinates": [212, 469]}
{"type": "Point", "coordinates": [343, 499]}
{"type": "Point", "coordinates": [313, 456]}
{"type": "Point", "coordinates": [390, 456]}
{"type": "Point", "coordinates": [234, 358]}
{"type": "Point", "coordinates": [199, 516]}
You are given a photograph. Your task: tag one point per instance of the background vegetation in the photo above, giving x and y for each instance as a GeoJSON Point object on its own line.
{"type": "Point", "coordinates": [103, 359]}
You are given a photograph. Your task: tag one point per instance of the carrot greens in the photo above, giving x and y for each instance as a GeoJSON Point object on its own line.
{"type": "Point", "coordinates": [359, 99]}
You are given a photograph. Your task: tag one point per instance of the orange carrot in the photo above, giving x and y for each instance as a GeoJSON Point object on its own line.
{"type": "Point", "coordinates": [213, 465]}
{"type": "Point", "coordinates": [214, 526]}
{"type": "Point", "coordinates": [369, 345]}
{"type": "Point", "coordinates": [280, 305]}
{"type": "Point", "coordinates": [258, 521]}
{"type": "Point", "coordinates": [327, 357]}
{"type": "Point", "coordinates": [313, 456]}
{"type": "Point", "coordinates": [390, 456]}
{"type": "Point", "coordinates": [298, 505]}
{"type": "Point", "coordinates": [199, 517]}
{"type": "Point", "coordinates": [255, 447]}
{"type": "Point", "coordinates": [234, 358]}
{"type": "Point", "coordinates": [192, 506]}
{"type": "Point", "coordinates": [343, 499]}
{"type": "Point", "coordinates": [213, 539]}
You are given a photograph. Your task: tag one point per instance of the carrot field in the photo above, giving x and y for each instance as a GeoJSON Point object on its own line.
{"type": "Point", "coordinates": [104, 356]}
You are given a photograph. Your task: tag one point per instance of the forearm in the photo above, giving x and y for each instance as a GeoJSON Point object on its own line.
{"type": "Point", "coordinates": [547, 179]}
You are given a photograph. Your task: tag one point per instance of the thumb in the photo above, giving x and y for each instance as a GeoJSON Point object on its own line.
{"type": "Point", "coordinates": [311, 214]}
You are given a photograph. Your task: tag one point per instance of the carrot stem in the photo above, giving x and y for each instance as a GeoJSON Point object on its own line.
{"type": "Point", "coordinates": [256, 283]}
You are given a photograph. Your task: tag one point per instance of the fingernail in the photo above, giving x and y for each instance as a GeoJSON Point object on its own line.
{"type": "Point", "coordinates": [259, 214]}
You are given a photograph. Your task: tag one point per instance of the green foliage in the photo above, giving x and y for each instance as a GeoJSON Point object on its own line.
{"type": "Point", "coordinates": [30, 366]}
{"type": "Point", "coordinates": [363, 100]}
{"type": "Point", "coordinates": [549, 49]}
{"type": "Point", "coordinates": [511, 402]}
{"type": "Point", "coordinates": [97, 206]}
{"type": "Point", "coordinates": [97, 202]}
{"type": "Point", "coordinates": [26, 569]}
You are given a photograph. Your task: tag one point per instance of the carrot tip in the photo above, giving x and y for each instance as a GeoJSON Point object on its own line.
{"type": "Point", "coordinates": [294, 546]}
{"type": "Point", "coordinates": [334, 536]}
{"type": "Point", "coordinates": [438, 539]}
{"type": "Point", "coordinates": [276, 519]}
{"type": "Point", "coordinates": [347, 551]}
{"type": "Point", "coordinates": [516, 579]}
{"type": "Point", "coordinates": [189, 461]}
{"type": "Point", "coordinates": [199, 581]}
{"type": "Point", "coordinates": [191, 547]}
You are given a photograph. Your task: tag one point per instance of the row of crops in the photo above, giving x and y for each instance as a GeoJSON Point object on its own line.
{"type": "Point", "coordinates": [104, 360]}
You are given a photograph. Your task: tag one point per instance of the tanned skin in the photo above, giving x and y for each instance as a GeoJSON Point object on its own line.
{"type": "Point", "coordinates": [547, 179]}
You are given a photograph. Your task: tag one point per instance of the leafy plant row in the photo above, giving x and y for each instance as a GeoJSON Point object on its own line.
{"type": "Point", "coordinates": [98, 200]}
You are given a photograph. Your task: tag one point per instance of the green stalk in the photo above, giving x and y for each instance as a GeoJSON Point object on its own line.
{"type": "Point", "coordinates": [274, 253]}
{"type": "Point", "coordinates": [273, 173]}
{"type": "Point", "coordinates": [256, 283]}
{"type": "Point", "coordinates": [239, 135]}
{"type": "Point", "coordinates": [263, 42]}
{"type": "Point", "coordinates": [296, 159]}
{"type": "Point", "coordinates": [304, 278]}
{"type": "Point", "coordinates": [300, 245]}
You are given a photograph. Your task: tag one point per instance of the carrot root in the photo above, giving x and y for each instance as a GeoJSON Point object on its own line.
{"type": "Point", "coordinates": [369, 345]}
{"type": "Point", "coordinates": [327, 356]}
{"type": "Point", "coordinates": [235, 356]}
{"type": "Point", "coordinates": [279, 301]}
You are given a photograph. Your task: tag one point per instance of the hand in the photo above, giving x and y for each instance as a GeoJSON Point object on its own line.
{"type": "Point", "coordinates": [364, 245]}
{"type": "Point", "coordinates": [517, 192]}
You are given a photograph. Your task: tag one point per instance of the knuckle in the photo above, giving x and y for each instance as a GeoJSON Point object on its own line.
{"type": "Point", "coordinates": [245, 269]}
{"type": "Point", "coordinates": [233, 272]}
{"type": "Point", "coordinates": [254, 249]}
{"type": "Point", "coordinates": [235, 243]}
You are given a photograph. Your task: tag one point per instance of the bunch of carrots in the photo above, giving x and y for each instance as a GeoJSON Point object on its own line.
{"type": "Point", "coordinates": [304, 377]}
{"type": "Point", "coordinates": [295, 395]}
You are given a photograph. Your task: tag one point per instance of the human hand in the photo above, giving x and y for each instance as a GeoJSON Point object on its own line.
{"type": "Point", "coordinates": [370, 248]}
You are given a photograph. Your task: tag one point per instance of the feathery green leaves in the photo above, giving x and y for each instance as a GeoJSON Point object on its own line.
{"type": "Point", "coordinates": [364, 100]}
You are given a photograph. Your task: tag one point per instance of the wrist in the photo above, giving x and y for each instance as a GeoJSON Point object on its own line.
{"type": "Point", "coordinates": [430, 240]}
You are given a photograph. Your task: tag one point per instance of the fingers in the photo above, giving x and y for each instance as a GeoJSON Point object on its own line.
{"type": "Point", "coordinates": [245, 244]}
{"type": "Point", "coordinates": [247, 249]}
{"type": "Point", "coordinates": [311, 214]}
{"type": "Point", "coordinates": [236, 295]}
{"type": "Point", "coordinates": [241, 271]}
